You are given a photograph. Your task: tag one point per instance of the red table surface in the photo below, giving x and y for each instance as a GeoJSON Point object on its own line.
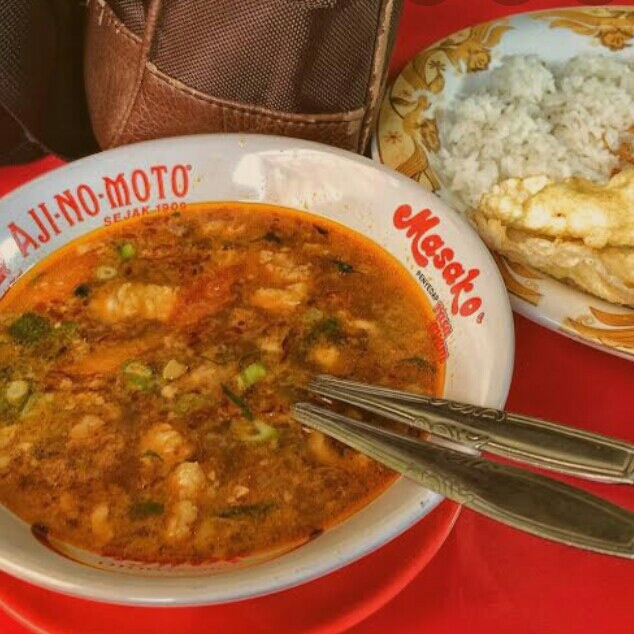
{"type": "Point", "coordinates": [489, 578]}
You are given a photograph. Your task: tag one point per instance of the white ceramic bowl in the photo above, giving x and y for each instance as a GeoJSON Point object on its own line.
{"type": "Point", "coordinates": [469, 298]}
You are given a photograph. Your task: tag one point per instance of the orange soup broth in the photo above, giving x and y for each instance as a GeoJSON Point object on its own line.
{"type": "Point", "coordinates": [273, 276]}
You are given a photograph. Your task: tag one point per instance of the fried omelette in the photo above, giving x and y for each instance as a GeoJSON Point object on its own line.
{"type": "Point", "coordinates": [575, 230]}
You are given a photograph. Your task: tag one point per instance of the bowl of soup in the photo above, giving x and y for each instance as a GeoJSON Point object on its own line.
{"type": "Point", "coordinates": [163, 306]}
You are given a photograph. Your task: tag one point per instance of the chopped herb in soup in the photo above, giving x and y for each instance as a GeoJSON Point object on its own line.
{"type": "Point", "coordinates": [147, 373]}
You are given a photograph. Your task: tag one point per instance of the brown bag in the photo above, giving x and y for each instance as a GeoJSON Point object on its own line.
{"type": "Point", "coordinates": [306, 68]}
{"type": "Point", "coordinates": [42, 98]}
{"type": "Point", "coordinates": [313, 69]}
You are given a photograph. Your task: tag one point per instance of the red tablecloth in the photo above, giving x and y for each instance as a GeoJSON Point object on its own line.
{"type": "Point", "coordinates": [488, 578]}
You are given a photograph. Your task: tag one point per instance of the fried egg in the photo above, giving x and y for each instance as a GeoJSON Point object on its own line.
{"type": "Point", "coordinates": [579, 232]}
{"type": "Point", "coordinates": [572, 209]}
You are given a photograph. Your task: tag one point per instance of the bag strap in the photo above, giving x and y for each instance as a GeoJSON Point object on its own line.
{"type": "Point", "coordinates": [389, 17]}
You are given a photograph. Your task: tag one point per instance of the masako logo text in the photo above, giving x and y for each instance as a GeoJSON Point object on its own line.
{"type": "Point", "coordinates": [429, 248]}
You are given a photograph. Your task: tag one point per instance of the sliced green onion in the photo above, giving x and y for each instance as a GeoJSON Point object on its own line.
{"type": "Point", "coordinates": [105, 272]}
{"type": "Point", "coordinates": [143, 510]}
{"type": "Point", "coordinates": [127, 251]}
{"type": "Point", "coordinates": [272, 237]}
{"type": "Point", "coordinates": [312, 315]}
{"type": "Point", "coordinates": [329, 328]}
{"type": "Point", "coordinates": [252, 374]}
{"type": "Point", "coordinates": [138, 375]}
{"type": "Point", "coordinates": [17, 391]}
{"type": "Point", "coordinates": [246, 510]}
{"type": "Point", "coordinates": [238, 402]}
{"type": "Point", "coordinates": [343, 267]}
{"type": "Point", "coordinates": [30, 328]}
{"type": "Point", "coordinates": [261, 433]}
{"type": "Point", "coordinates": [190, 402]}
{"type": "Point", "coordinates": [29, 405]}
{"type": "Point", "coordinates": [68, 328]}
{"type": "Point", "coordinates": [418, 362]}
{"type": "Point", "coordinates": [32, 403]}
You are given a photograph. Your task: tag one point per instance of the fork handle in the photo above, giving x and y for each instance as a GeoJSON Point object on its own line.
{"type": "Point", "coordinates": [522, 499]}
{"type": "Point", "coordinates": [540, 443]}
{"type": "Point", "coordinates": [533, 441]}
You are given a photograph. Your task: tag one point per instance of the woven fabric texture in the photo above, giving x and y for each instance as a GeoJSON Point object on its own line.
{"type": "Point", "coordinates": [131, 13]}
{"type": "Point", "coordinates": [303, 56]}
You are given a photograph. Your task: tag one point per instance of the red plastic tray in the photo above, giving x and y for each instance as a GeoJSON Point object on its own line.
{"type": "Point", "coordinates": [330, 604]}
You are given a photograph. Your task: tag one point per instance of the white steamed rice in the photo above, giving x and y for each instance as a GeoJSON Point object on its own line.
{"type": "Point", "coordinates": [531, 118]}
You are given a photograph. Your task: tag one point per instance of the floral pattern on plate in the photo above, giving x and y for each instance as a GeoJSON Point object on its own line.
{"type": "Point", "coordinates": [407, 139]}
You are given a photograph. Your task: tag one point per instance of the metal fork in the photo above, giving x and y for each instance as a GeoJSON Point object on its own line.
{"type": "Point", "coordinates": [448, 461]}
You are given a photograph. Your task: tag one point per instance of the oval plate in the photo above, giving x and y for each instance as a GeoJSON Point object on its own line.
{"type": "Point", "coordinates": [407, 139]}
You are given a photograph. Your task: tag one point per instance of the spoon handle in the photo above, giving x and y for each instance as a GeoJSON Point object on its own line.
{"type": "Point", "coordinates": [533, 441]}
{"type": "Point", "coordinates": [516, 497]}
